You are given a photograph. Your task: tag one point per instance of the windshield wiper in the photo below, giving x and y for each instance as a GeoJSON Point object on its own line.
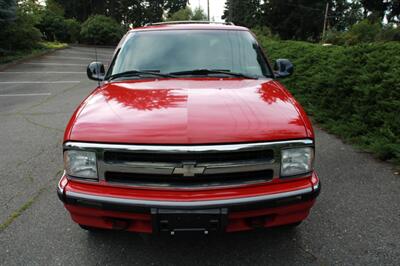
{"type": "Point", "coordinates": [210, 71]}
{"type": "Point", "coordinates": [133, 73]}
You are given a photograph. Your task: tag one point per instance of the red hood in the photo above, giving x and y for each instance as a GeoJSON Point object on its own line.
{"type": "Point", "coordinates": [189, 111]}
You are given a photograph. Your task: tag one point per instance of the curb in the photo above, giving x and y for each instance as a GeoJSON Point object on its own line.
{"type": "Point", "coordinates": [91, 46]}
{"type": "Point", "coordinates": [29, 57]}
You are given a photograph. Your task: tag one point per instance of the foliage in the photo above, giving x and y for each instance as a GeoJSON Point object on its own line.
{"type": "Point", "coordinates": [352, 91]}
{"type": "Point", "coordinates": [244, 12]}
{"type": "Point", "coordinates": [265, 32]}
{"type": "Point", "coordinates": [54, 7]}
{"type": "Point", "coordinates": [40, 48]}
{"type": "Point", "coordinates": [183, 14]}
{"type": "Point", "coordinates": [7, 11]}
{"type": "Point", "coordinates": [99, 29]}
{"type": "Point", "coordinates": [364, 32]}
{"type": "Point", "coordinates": [304, 19]}
{"type": "Point", "coordinates": [19, 34]}
{"type": "Point", "coordinates": [53, 26]}
{"type": "Point", "coordinates": [375, 9]}
{"type": "Point", "coordinates": [199, 14]}
{"type": "Point", "coordinates": [136, 12]}
{"type": "Point", "coordinates": [187, 14]}
{"type": "Point", "coordinates": [73, 30]}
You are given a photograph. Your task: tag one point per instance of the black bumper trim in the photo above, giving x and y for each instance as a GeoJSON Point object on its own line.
{"type": "Point", "coordinates": [144, 206]}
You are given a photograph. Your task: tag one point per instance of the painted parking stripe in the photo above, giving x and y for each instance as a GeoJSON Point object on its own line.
{"type": "Point", "coordinates": [88, 53]}
{"type": "Point", "coordinates": [40, 82]}
{"type": "Point", "coordinates": [40, 72]}
{"type": "Point", "coordinates": [75, 58]}
{"type": "Point", "coordinates": [25, 94]}
{"type": "Point", "coordinates": [54, 64]}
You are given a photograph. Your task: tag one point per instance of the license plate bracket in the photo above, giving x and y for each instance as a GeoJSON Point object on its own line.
{"type": "Point", "coordinates": [173, 221]}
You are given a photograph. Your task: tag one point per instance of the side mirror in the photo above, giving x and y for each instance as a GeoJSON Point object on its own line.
{"type": "Point", "coordinates": [96, 71]}
{"type": "Point", "coordinates": [283, 68]}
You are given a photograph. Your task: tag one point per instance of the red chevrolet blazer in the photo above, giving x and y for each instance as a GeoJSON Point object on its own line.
{"type": "Point", "coordinates": [189, 130]}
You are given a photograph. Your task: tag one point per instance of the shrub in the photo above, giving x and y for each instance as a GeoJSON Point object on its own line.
{"type": "Point", "coordinates": [183, 14]}
{"type": "Point", "coordinates": [73, 30]}
{"type": "Point", "coordinates": [53, 26]}
{"type": "Point", "coordinates": [19, 34]}
{"type": "Point", "coordinates": [362, 32]}
{"type": "Point", "coordinates": [389, 33]}
{"type": "Point", "coordinates": [352, 91]}
{"type": "Point", "coordinates": [264, 32]}
{"type": "Point", "coordinates": [334, 37]}
{"type": "Point", "coordinates": [100, 29]}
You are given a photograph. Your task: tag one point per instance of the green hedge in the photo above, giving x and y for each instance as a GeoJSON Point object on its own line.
{"type": "Point", "coordinates": [99, 29]}
{"type": "Point", "coordinates": [353, 91]}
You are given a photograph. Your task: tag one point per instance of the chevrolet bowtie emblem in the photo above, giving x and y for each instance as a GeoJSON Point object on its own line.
{"type": "Point", "coordinates": [189, 169]}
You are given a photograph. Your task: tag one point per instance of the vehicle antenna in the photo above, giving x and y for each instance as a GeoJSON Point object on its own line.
{"type": "Point", "coordinates": [97, 65]}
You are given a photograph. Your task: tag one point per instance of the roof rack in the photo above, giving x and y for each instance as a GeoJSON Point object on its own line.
{"type": "Point", "coordinates": [188, 22]}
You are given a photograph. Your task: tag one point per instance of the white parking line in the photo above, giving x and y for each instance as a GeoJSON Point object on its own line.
{"type": "Point", "coordinates": [88, 53]}
{"type": "Point", "coordinates": [40, 82]}
{"type": "Point", "coordinates": [76, 58]}
{"type": "Point", "coordinates": [26, 94]}
{"type": "Point", "coordinates": [40, 72]}
{"type": "Point", "coordinates": [54, 64]}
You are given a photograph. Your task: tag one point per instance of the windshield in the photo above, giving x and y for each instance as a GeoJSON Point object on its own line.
{"type": "Point", "coordinates": [173, 51]}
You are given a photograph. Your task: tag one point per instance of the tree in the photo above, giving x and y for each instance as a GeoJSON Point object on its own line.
{"type": "Point", "coordinates": [375, 9]}
{"type": "Point", "coordinates": [199, 14]}
{"type": "Point", "coordinates": [183, 14]}
{"type": "Point", "coordinates": [299, 19]}
{"type": "Point", "coordinates": [343, 14]}
{"type": "Point", "coordinates": [394, 11]}
{"type": "Point", "coordinates": [99, 29]}
{"type": "Point", "coordinates": [136, 12]}
{"type": "Point", "coordinates": [243, 12]}
{"type": "Point", "coordinates": [17, 32]}
{"type": "Point", "coordinates": [7, 11]}
{"type": "Point", "coordinates": [187, 14]}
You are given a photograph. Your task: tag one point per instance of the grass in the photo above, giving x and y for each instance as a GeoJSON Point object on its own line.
{"type": "Point", "coordinates": [42, 48]}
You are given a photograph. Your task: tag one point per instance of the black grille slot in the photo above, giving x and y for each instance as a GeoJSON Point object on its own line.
{"type": "Point", "coordinates": [122, 157]}
{"type": "Point", "coordinates": [204, 180]}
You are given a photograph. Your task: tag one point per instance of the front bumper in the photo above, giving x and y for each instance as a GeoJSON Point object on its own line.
{"type": "Point", "coordinates": [275, 208]}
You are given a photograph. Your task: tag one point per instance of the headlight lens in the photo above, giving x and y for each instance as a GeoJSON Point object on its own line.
{"type": "Point", "coordinates": [297, 161]}
{"type": "Point", "coordinates": [80, 164]}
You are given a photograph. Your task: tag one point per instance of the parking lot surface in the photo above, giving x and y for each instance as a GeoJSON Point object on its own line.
{"type": "Point", "coordinates": [356, 220]}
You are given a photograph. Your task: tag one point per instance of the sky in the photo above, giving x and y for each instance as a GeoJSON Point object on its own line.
{"type": "Point", "coordinates": [216, 7]}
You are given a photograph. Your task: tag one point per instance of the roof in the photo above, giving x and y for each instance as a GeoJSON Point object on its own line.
{"type": "Point", "coordinates": [190, 25]}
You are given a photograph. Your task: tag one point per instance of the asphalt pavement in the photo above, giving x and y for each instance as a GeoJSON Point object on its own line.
{"type": "Point", "coordinates": [356, 220]}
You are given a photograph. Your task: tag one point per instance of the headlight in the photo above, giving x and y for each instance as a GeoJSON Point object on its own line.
{"type": "Point", "coordinates": [297, 161]}
{"type": "Point", "coordinates": [80, 164]}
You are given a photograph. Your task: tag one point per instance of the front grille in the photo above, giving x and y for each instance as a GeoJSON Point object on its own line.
{"type": "Point", "coordinates": [189, 167]}
{"type": "Point", "coordinates": [118, 157]}
{"type": "Point", "coordinates": [206, 180]}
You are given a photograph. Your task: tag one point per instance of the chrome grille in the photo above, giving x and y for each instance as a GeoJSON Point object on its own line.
{"type": "Point", "coordinates": [188, 167]}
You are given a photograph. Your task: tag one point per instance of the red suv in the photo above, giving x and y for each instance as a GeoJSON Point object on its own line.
{"type": "Point", "coordinates": [189, 130]}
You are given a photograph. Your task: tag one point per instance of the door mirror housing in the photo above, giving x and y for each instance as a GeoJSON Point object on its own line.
{"type": "Point", "coordinates": [283, 68]}
{"type": "Point", "coordinates": [96, 71]}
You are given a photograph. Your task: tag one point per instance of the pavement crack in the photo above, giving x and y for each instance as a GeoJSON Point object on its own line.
{"type": "Point", "coordinates": [21, 210]}
{"type": "Point", "coordinates": [307, 251]}
{"type": "Point", "coordinates": [41, 125]}
{"type": "Point", "coordinates": [48, 99]}
{"type": "Point", "coordinates": [26, 205]}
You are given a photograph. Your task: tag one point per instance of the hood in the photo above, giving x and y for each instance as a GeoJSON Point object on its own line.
{"type": "Point", "coordinates": [189, 111]}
